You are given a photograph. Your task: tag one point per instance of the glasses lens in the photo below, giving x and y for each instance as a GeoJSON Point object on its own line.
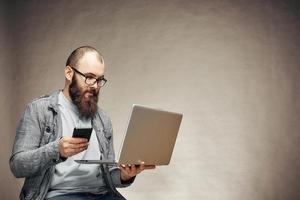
{"type": "Point", "coordinates": [102, 82]}
{"type": "Point", "coordinates": [90, 81]}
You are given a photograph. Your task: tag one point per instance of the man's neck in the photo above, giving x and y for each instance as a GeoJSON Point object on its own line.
{"type": "Point", "coordinates": [66, 93]}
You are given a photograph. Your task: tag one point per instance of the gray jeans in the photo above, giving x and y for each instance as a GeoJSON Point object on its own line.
{"type": "Point", "coordinates": [86, 196]}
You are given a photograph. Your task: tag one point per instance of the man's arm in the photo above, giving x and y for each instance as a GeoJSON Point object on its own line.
{"type": "Point", "coordinates": [28, 158]}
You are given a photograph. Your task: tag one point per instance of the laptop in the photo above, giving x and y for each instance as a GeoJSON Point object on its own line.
{"type": "Point", "coordinates": [150, 137]}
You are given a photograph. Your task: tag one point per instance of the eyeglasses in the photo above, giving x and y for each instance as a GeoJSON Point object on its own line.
{"type": "Point", "coordinates": [90, 80]}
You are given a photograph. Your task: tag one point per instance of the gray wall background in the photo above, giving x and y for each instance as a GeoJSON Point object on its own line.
{"type": "Point", "coordinates": [232, 68]}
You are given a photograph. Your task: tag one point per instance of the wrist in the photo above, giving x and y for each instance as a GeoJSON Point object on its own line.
{"type": "Point", "coordinates": [125, 177]}
{"type": "Point", "coordinates": [128, 181]}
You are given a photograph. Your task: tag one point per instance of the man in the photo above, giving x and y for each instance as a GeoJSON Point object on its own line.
{"type": "Point", "coordinates": [44, 150]}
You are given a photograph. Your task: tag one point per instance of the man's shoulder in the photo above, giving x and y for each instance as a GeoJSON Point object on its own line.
{"type": "Point", "coordinates": [43, 100]}
{"type": "Point", "coordinates": [40, 100]}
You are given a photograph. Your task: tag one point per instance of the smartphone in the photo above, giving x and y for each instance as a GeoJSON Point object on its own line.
{"type": "Point", "coordinates": [82, 133]}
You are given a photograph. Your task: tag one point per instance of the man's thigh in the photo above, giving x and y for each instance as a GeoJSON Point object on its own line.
{"type": "Point", "coordinates": [109, 196]}
{"type": "Point", "coordinates": [86, 196]}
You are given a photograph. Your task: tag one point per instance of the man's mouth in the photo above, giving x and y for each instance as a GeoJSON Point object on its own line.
{"type": "Point", "coordinates": [88, 94]}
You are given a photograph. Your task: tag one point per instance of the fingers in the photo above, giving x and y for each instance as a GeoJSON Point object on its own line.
{"type": "Point", "coordinates": [125, 169]}
{"type": "Point", "coordinates": [75, 140]}
{"type": "Point", "coordinates": [143, 166]}
{"type": "Point", "coordinates": [127, 172]}
{"type": "Point", "coordinates": [75, 146]}
{"type": "Point", "coordinates": [69, 146]}
{"type": "Point", "coordinates": [135, 169]}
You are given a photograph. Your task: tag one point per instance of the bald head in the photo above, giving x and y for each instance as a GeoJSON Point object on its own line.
{"type": "Point", "coordinates": [78, 53]}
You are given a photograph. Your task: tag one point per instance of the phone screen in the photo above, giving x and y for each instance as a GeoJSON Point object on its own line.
{"type": "Point", "coordinates": [82, 133]}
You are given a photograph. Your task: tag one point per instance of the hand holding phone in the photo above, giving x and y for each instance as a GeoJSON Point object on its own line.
{"type": "Point", "coordinates": [69, 146]}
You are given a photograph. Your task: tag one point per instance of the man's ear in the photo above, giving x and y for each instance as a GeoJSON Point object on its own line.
{"type": "Point", "coordinates": [69, 73]}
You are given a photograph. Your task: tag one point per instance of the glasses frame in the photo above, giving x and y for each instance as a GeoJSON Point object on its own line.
{"type": "Point", "coordinates": [97, 80]}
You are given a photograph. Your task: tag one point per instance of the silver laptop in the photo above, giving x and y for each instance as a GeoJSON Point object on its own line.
{"type": "Point", "coordinates": [150, 137]}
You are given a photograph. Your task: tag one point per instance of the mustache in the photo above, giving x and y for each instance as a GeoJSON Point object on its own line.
{"type": "Point", "coordinates": [93, 91]}
{"type": "Point", "coordinates": [77, 94]}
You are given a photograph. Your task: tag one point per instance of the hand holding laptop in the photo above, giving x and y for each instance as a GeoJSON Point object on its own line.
{"type": "Point", "coordinates": [129, 171]}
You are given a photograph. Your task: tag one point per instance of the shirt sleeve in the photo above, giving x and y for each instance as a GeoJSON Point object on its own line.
{"type": "Point", "coordinates": [28, 157]}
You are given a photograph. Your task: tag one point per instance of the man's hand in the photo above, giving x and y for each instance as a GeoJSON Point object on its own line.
{"type": "Point", "coordinates": [129, 171]}
{"type": "Point", "coordinates": [69, 146]}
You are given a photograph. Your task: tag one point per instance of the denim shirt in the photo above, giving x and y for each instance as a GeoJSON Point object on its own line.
{"type": "Point", "coordinates": [35, 151]}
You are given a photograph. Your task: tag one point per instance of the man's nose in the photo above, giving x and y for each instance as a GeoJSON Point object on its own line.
{"type": "Point", "coordinates": [94, 86]}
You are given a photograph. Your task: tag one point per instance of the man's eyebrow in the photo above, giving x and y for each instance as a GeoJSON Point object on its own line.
{"type": "Point", "coordinates": [94, 76]}
{"type": "Point", "coordinates": [90, 74]}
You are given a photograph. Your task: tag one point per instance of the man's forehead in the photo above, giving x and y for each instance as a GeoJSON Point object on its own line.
{"type": "Point", "coordinates": [91, 63]}
{"type": "Point", "coordinates": [91, 57]}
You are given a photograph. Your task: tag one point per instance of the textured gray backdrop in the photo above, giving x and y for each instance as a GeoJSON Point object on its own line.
{"type": "Point", "coordinates": [232, 68]}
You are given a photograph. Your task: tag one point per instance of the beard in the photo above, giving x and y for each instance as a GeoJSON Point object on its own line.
{"type": "Point", "coordinates": [84, 99]}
